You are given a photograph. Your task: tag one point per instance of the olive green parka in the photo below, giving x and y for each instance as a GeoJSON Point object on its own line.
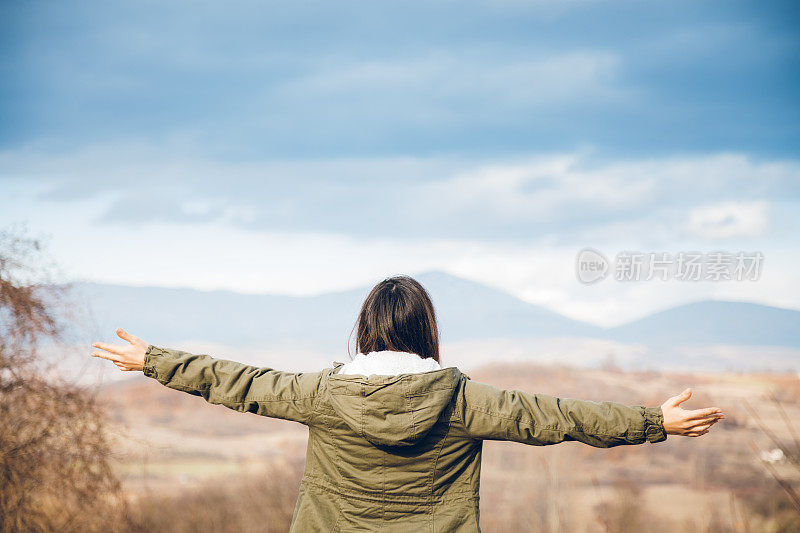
{"type": "Point", "coordinates": [398, 453]}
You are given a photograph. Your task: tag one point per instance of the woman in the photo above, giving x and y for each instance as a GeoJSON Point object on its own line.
{"type": "Point", "coordinates": [395, 439]}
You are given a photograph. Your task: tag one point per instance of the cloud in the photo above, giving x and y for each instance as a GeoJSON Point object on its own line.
{"type": "Point", "coordinates": [730, 220]}
{"type": "Point", "coordinates": [568, 198]}
{"type": "Point", "coordinates": [574, 197]}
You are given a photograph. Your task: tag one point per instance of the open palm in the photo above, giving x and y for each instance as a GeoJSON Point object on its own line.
{"type": "Point", "coordinates": [680, 421]}
{"type": "Point", "coordinates": [127, 357]}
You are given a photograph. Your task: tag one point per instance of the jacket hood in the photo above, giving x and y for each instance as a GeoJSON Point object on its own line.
{"type": "Point", "coordinates": [396, 410]}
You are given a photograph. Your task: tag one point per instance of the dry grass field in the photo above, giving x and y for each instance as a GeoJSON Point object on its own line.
{"type": "Point", "coordinates": [190, 466]}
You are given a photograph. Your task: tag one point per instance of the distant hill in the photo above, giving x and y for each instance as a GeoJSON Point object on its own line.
{"type": "Point", "coordinates": [467, 311]}
{"type": "Point", "coordinates": [224, 317]}
{"type": "Point", "coordinates": [714, 322]}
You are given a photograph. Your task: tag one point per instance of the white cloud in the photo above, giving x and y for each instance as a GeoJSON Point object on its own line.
{"type": "Point", "coordinates": [545, 188]}
{"type": "Point", "coordinates": [729, 220]}
{"type": "Point", "coordinates": [566, 197]}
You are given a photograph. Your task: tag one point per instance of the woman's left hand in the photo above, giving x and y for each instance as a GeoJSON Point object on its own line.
{"type": "Point", "coordinates": [127, 357]}
{"type": "Point", "coordinates": [679, 421]}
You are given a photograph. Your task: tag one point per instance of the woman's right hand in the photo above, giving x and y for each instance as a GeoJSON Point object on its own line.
{"type": "Point", "coordinates": [679, 421]}
{"type": "Point", "coordinates": [127, 357]}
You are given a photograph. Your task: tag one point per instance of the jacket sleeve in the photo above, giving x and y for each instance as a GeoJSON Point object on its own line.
{"type": "Point", "coordinates": [241, 387]}
{"type": "Point", "coordinates": [491, 413]}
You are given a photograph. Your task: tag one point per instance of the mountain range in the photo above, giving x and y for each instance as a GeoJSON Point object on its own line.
{"type": "Point", "coordinates": [467, 311]}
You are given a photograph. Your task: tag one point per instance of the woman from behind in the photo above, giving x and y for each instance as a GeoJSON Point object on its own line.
{"type": "Point", "coordinates": [395, 439]}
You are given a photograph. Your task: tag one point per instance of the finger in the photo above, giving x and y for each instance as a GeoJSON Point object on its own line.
{"type": "Point", "coordinates": [700, 421]}
{"type": "Point", "coordinates": [113, 348]}
{"type": "Point", "coordinates": [696, 423]}
{"type": "Point", "coordinates": [101, 355]}
{"type": "Point", "coordinates": [697, 433]}
{"type": "Point", "coordinates": [680, 398]}
{"type": "Point", "coordinates": [122, 334]}
{"type": "Point", "coordinates": [700, 427]}
{"type": "Point", "coordinates": [703, 413]}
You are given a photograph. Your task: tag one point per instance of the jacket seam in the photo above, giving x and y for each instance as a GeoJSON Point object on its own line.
{"type": "Point", "coordinates": [440, 447]}
{"type": "Point", "coordinates": [266, 400]}
{"type": "Point", "coordinates": [337, 460]}
{"type": "Point", "coordinates": [410, 408]}
{"type": "Point", "coordinates": [312, 416]}
{"type": "Point", "coordinates": [408, 395]}
{"type": "Point", "coordinates": [363, 415]}
{"type": "Point", "coordinates": [461, 404]}
{"type": "Point", "coordinates": [383, 488]}
{"type": "Point", "coordinates": [435, 464]}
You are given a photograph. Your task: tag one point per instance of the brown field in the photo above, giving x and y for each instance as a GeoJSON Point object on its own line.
{"type": "Point", "coordinates": [218, 470]}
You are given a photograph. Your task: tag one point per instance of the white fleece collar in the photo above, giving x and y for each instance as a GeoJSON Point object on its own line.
{"type": "Point", "coordinates": [388, 363]}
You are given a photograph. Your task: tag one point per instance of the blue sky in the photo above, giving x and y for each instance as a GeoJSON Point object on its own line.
{"type": "Point", "coordinates": [297, 148]}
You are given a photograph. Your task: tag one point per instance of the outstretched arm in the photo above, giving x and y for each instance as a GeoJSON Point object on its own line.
{"type": "Point", "coordinates": [538, 419]}
{"type": "Point", "coordinates": [244, 388]}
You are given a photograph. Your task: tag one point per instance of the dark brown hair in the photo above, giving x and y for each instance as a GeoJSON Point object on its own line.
{"type": "Point", "coordinates": [398, 315]}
